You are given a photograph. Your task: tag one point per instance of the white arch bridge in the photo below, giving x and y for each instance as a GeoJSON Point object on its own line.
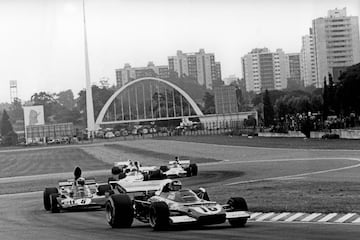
{"type": "Point", "coordinates": [147, 99]}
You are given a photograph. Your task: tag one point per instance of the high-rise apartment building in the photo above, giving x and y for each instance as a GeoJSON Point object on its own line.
{"type": "Point", "coordinates": [294, 72]}
{"type": "Point", "coordinates": [336, 43]}
{"type": "Point", "coordinates": [263, 70]}
{"type": "Point", "coordinates": [127, 74]}
{"type": "Point", "coordinates": [200, 65]}
{"type": "Point", "coordinates": [307, 60]}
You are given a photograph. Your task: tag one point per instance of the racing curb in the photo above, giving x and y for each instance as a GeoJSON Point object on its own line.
{"type": "Point", "coordinates": [350, 218]}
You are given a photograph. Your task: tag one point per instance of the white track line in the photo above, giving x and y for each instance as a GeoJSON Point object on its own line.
{"type": "Point", "coordinates": [346, 217]}
{"type": "Point", "coordinates": [356, 220]}
{"type": "Point", "coordinates": [301, 174]}
{"type": "Point", "coordinates": [311, 217]}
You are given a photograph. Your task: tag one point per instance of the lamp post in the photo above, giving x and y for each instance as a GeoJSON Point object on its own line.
{"type": "Point", "coordinates": [89, 98]}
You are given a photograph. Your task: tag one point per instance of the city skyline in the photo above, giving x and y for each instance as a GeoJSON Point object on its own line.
{"type": "Point", "coordinates": [43, 44]}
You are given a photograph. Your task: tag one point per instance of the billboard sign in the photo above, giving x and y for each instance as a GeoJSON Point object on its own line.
{"type": "Point", "coordinates": [34, 115]}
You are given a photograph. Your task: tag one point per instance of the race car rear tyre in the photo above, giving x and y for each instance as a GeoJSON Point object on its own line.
{"type": "Point", "coordinates": [54, 203]}
{"type": "Point", "coordinates": [122, 175]}
{"type": "Point", "coordinates": [119, 211]}
{"type": "Point", "coordinates": [164, 168]}
{"type": "Point", "coordinates": [238, 204]}
{"type": "Point", "coordinates": [146, 176]}
{"type": "Point", "coordinates": [156, 175]}
{"type": "Point", "coordinates": [116, 170]}
{"type": "Point", "coordinates": [193, 169]}
{"type": "Point", "coordinates": [102, 189]}
{"type": "Point", "coordinates": [46, 197]}
{"type": "Point", "coordinates": [159, 215]}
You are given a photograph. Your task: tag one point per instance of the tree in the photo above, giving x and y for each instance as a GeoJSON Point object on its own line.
{"type": "Point", "coordinates": [48, 101]}
{"type": "Point", "coordinates": [348, 90]}
{"type": "Point", "coordinates": [6, 126]}
{"type": "Point", "coordinates": [16, 111]}
{"type": "Point", "coordinates": [8, 135]}
{"type": "Point", "coordinates": [100, 97]}
{"type": "Point", "coordinates": [239, 98]}
{"type": "Point", "coordinates": [325, 109]}
{"type": "Point", "coordinates": [268, 110]}
{"type": "Point", "coordinates": [66, 99]}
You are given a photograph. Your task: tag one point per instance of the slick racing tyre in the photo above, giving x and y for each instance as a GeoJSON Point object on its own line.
{"type": "Point", "coordinates": [159, 215]}
{"type": "Point", "coordinates": [119, 211]}
{"type": "Point", "coordinates": [164, 168]}
{"type": "Point", "coordinates": [102, 189]}
{"type": "Point", "coordinates": [194, 169]}
{"type": "Point", "coordinates": [238, 204]}
{"type": "Point", "coordinates": [156, 175]}
{"type": "Point", "coordinates": [54, 203]}
{"type": "Point", "coordinates": [116, 170]}
{"type": "Point", "coordinates": [46, 197]}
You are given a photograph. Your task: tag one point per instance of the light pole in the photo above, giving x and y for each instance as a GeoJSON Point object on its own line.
{"type": "Point", "coordinates": [89, 98]}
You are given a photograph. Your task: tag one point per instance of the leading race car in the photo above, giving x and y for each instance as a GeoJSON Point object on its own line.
{"type": "Point", "coordinates": [164, 203]}
{"type": "Point", "coordinates": [76, 193]}
{"type": "Point", "coordinates": [129, 171]}
{"type": "Point", "coordinates": [179, 168]}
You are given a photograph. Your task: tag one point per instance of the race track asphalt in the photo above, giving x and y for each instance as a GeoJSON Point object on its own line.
{"type": "Point", "coordinates": [23, 217]}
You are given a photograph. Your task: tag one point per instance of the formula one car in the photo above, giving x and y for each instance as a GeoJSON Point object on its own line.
{"type": "Point", "coordinates": [76, 193]}
{"type": "Point", "coordinates": [175, 169]}
{"type": "Point", "coordinates": [180, 168]}
{"type": "Point", "coordinates": [129, 171]}
{"type": "Point", "coordinates": [164, 203]}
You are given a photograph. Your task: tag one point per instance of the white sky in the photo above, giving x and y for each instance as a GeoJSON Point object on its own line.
{"type": "Point", "coordinates": [41, 41]}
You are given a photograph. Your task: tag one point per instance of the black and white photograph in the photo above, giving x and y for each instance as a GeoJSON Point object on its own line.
{"type": "Point", "coordinates": [179, 119]}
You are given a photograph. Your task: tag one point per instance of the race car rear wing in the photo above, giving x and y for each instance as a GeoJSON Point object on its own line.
{"type": "Point", "coordinates": [142, 187]}
{"type": "Point", "coordinates": [182, 162]}
{"type": "Point", "coordinates": [69, 182]}
{"type": "Point", "coordinates": [121, 164]}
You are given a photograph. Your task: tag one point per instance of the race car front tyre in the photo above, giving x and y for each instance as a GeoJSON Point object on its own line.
{"type": "Point", "coordinates": [159, 215]}
{"type": "Point", "coordinates": [238, 204]}
{"type": "Point", "coordinates": [119, 211]}
{"type": "Point", "coordinates": [194, 169]}
{"type": "Point", "coordinates": [46, 197]}
{"type": "Point", "coordinates": [54, 203]}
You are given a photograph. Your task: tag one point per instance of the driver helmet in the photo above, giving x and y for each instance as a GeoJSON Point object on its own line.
{"type": "Point", "coordinates": [175, 185]}
{"type": "Point", "coordinates": [81, 181]}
